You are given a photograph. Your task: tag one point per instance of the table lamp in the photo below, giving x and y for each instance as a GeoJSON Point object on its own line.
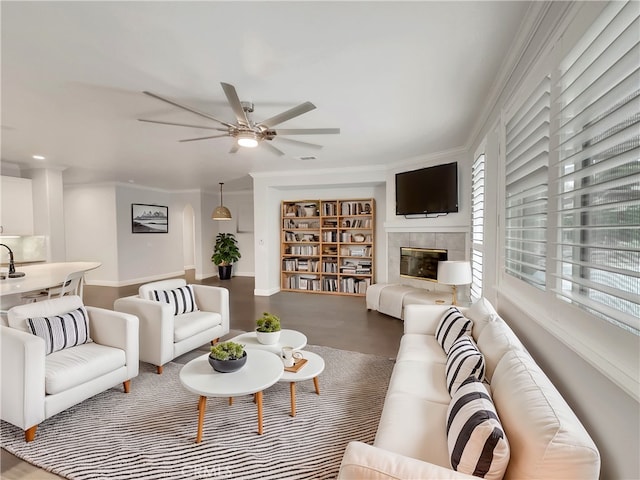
{"type": "Point", "coordinates": [454, 273]}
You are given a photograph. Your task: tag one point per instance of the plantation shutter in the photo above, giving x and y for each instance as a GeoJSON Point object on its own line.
{"type": "Point", "coordinates": [477, 226]}
{"type": "Point", "coordinates": [598, 249]}
{"type": "Point", "coordinates": [526, 187]}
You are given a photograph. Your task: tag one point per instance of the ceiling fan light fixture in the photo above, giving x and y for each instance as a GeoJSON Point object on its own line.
{"type": "Point", "coordinates": [247, 139]}
{"type": "Point", "coordinates": [221, 212]}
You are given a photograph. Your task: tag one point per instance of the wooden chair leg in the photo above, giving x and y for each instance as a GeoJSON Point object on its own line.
{"type": "Point", "coordinates": [30, 434]}
{"type": "Point", "coordinates": [127, 386]}
{"type": "Point", "coordinates": [159, 369]}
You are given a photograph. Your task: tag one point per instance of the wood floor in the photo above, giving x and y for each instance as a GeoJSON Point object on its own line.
{"type": "Point", "coordinates": [334, 321]}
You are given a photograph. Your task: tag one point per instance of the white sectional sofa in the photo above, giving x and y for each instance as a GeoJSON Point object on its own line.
{"type": "Point", "coordinates": [546, 439]}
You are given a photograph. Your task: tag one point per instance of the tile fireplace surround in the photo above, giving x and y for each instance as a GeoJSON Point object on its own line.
{"type": "Point", "coordinates": [454, 243]}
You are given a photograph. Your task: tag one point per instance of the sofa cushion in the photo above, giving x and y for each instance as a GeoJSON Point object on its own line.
{"type": "Point", "coordinates": [181, 299]}
{"type": "Point", "coordinates": [61, 331]}
{"type": "Point", "coordinates": [481, 313]}
{"type": "Point", "coordinates": [421, 379]}
{"type": "Point", "coordinates": [424, 348]}
{"type": "Point", "coordinates": [75, 366]}
{"type": "Point", "coordinates": [189, 324]}
{"type": "Point", "coordinates": [547, 439]}
{"type": "Point", "coordinates": [463, 361]}
{"type": "Point", "coordinates": [495, 340]}
{"type": "Point", "coordinates": [476, 441]}
{"type": "Point", "coordinates": [414, 427]}
{"type": "Point", "coordinates": [452, 326]}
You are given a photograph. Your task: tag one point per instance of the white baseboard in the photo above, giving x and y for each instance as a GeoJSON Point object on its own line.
{"type": "Point", "coordinates": [258, 292]}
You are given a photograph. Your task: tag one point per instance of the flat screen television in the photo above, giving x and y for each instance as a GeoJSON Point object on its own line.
{"type": "Point", "coordinates": [429, 190]}
{"type": "Point", "coordinates": [421, 263]}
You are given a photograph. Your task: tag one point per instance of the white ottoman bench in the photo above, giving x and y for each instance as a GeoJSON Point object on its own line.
{"type": "Point", "coordinates": [391, 298]}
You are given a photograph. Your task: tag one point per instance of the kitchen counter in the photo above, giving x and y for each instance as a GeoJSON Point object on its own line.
{"type": "Point", "coordinates": [39, 276]}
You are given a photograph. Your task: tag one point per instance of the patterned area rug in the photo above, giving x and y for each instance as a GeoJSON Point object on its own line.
{"type": "Point", "coordinates": [150, 433]}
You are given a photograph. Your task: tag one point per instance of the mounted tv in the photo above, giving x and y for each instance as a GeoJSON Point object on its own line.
{"type": "Point", "coordinates": [431, 190]}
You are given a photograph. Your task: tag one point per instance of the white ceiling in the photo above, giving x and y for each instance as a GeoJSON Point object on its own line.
{"type": "Point", "coordinates": [400, 79]}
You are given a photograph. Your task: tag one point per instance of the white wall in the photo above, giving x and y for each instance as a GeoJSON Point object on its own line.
{"type": "Point", "coordinates": [48, 210]}
{"type": "Point", "coordinates": [147, 256]}
{"type": "Point", "coordinates": [240, 204]}
{"type": "Point", "coordinates": [102, 213]}
{"type": "Point", "coordinates": [90, 226]}
{"type": "Point", "coordinates": [272, 188]}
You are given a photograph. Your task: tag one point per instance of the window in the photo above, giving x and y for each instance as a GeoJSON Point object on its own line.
{"type": "Point", "coordinates": [477, 226]}
{"type": "Point", "coordinates": [526, 187]}
{"type": "Point", "coordinates": [597, 254]}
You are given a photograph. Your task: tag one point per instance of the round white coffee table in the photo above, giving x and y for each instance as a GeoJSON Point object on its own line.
{"type": "Point", "coordinates": [313, 367]}
{"type": "Point", "coordinates": [288, 338]}
{"type": "Point", "coordinates": [262, 370]}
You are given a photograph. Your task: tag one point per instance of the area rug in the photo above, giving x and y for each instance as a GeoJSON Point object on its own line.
{"type": "Point", "coordinates": [150, 433]}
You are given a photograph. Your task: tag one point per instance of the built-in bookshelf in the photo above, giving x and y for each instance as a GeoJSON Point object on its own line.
{"type": "Point", "coordinates": [327, 246]}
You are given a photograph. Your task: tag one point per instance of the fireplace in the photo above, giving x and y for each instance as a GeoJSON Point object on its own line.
{"type": "Point", "coordinates": [421, 263]}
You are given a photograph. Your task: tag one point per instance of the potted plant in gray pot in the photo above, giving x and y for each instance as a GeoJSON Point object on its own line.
{"type": "Point", "coordinates": [225, 254]}
{"type": "Point", "coordinates": [227, 357]}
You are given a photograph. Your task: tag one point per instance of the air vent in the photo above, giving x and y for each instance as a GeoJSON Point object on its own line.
{"type": "Point", "coordinates": [308, 157]}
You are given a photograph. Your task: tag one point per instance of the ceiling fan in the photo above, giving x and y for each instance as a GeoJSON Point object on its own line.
{"type": "Point", "coordinates": [246, 131]}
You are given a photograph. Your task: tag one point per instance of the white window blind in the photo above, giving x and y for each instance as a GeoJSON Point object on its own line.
{"type": "Point", "coordinates": [598, 239]}
{"type": "Point", "coordinates": [526, 187]}
{"type": "Point", "coordinates": [477, 226]}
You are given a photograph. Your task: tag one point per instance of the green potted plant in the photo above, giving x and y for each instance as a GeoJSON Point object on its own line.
{"type": "Point", "coordinates": [268, 329]}
{"type": "Point", "coordinates": [227, 357]}
{"type": "Point", "coordinates": [225, 254]}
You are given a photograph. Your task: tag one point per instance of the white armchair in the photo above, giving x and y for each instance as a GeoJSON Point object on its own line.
{"type": "Point", "coordinates": [165, 335]}
{"type": "Point", "coordinates": [37, 385]}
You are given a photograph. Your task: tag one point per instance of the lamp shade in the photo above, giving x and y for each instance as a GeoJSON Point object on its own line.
{"type": "Point", "coordinates": [454, 272]}
{"type": "Point", "coordinates": [221, 212]}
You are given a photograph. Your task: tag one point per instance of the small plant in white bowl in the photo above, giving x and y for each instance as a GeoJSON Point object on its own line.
{"type": "Point", "coordinates": [268, 329]}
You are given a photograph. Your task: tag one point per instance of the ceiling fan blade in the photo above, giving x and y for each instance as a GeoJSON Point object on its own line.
{"type": "Point", "coordinates": [289, 114]}
{"type": "Point", "coordinates": [189, 109]}
{"type": "Point", "coordinates": [181, 125]}
{"type": "Point", "coordinates": [234, 148]}
{"type": "Point", "coordinates": [273, 149]}
{"type": "Point", "coordinates": [234, 102]}
{"type": "Point", "coordinates": [299, 143]}
{"type": "Point", "coordinates": [306, 131]}
{"type": "Point", "coordinates": [203, 138]}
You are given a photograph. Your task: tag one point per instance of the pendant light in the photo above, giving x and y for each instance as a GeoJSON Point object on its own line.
{"type": "Point", "coordinates": [221, 212]}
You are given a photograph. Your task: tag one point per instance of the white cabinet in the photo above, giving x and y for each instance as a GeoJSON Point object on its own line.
{"type": "Point", "coordinates": [17, 206]}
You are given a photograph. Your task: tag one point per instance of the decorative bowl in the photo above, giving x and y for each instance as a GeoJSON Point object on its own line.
{"type": "Point", "coordinates": [228, 366]}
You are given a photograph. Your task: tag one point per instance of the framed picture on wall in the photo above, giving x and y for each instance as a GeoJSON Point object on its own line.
{"type": "Point", "coordinates": [149, 218]}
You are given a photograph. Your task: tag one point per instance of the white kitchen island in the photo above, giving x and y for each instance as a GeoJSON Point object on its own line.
{"type": "Point", "coordinates": [38, 276]}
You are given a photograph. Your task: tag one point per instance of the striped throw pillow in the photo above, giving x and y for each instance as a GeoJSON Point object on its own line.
{"type": "Point", "coordinates": [452, 326]}
{"type": "Point", "coordinates": [181, 299]}
{"type": "Point", "coordinates": [477, 443]}
{"type": "Point", "coordinates": [61, 331]}
{"type": "Point", "coordinates": [464, 360]}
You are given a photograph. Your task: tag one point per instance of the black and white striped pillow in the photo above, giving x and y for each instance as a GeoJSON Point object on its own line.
{"type": "Point", "coordinates": [464, 360]}
{"type": "Point", "coordinates": [61, 331]}
{"type": "Point", "coordinates": [181, 299]}
{"type": "Point", "coordinates": [477, 443]}
{"type": "Point", "coordinates": [452, 326]}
